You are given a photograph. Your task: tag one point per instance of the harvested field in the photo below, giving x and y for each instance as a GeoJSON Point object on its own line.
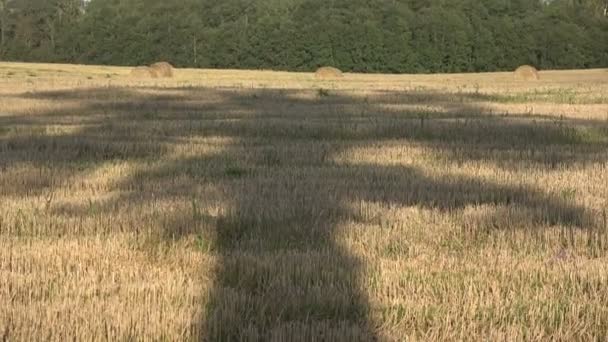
{"type": "Point", "coordinates": [144, 72]}
{"type": "Point", "coordinates": [242, 205]}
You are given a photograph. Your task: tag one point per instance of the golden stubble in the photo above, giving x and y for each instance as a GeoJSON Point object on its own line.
{"type": "Point", "coordinates": [270, 206]}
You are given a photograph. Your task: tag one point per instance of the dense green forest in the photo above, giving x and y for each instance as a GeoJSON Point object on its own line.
{"type": "Point", "coordinates": [354, 35]}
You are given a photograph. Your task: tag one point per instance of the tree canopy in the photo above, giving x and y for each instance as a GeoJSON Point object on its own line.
{"type": "Point", "coordinates": [392, 36]}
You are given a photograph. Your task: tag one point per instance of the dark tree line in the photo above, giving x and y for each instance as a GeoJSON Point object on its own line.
{"type": "Point", "coordinates": [354, 35]}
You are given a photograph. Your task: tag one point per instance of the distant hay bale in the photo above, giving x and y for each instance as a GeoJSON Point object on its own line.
{"type": "Point", "coordinates": [325, 73]}
{"type": "Point", "coordinates": [163, 69]}
{"type": "Point", "coordinates": [143, 72]}
{"type": "Point", "coordinates": [527, 72]}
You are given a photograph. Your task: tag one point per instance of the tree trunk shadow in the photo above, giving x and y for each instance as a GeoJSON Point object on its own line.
{"type": "Point", "coordinates": [282, 275]}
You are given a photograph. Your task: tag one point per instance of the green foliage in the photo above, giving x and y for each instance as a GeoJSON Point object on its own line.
{"type": "Point", "coordinates": [390, 36]}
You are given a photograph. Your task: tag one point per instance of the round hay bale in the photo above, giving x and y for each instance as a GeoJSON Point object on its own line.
{"type": "Point", "coordinates": [163, 69]}
{"type": "Point", "coordinates": [527, 73]}
{"type": "Point", "coordinates": [143, 72]}
{"type": "Point", "coordinates": [325, 73]}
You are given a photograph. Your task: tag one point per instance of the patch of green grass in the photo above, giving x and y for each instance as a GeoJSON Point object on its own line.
{"type": "Point", "coordinates": [323, 92]}
{"type": "Point", "coordinates": [568, 193]}
{"type": "Point", "coordinates": [203, 244]}
{"type": "Point", "coordinates": [271, 158]}
{"type": "Point", "coordinates": [235, 172]}
{"type": "Point", "coordinates": [395, 249]}
{"type": "Point", "coordinates": [557, 96]}
{"type": "Point", "coordinates": [149, 115]}
{"type": "Point", "coordinates": [591, 135]}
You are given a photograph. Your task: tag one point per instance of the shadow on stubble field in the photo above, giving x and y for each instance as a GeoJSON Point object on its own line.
{"type": "Point", "coordinates": [263, 180]}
